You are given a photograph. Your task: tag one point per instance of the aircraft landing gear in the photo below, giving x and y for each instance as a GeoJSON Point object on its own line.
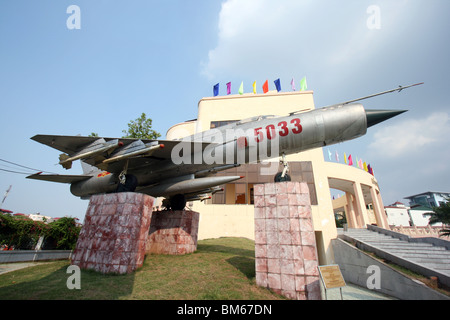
{"type": "Point", "coordinates": [283, 176]}
{"type": "Point", "coordinates": [279, 177]}
{"type": "Point", "coordinates": [178, 202]}
{"type": "Point", "coordinates": [127, 182]}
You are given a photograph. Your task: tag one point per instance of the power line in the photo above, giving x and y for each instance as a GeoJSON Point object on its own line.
{"type": "Point", "coordinates": [15, 171]}
{"type": "Point", "coordinates": [19, 165]}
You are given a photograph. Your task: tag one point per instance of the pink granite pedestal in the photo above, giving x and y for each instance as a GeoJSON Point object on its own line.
{"type": "Point", "coordinates": [120, 228]}
{"type": "Point", "coordinates": [114, 233]}
{"type": "Point", "coordinates": [285, 245]}
{"type": "Point", "coordinates": [173, 232]}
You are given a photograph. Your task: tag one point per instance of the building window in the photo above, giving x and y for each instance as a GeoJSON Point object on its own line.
{"type": "Point", "coordinates": [240, 193]}
{"type": "Point", "coordinates": [216, 124]}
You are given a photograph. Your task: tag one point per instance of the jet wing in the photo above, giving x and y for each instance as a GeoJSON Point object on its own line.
{"type": "Point", "coordinates": [111, 154]}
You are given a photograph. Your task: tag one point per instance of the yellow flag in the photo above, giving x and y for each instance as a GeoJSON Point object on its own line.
{"type": "Point", "coordinates": [254, 87]}
{"type": "Point", "coordinates": [345, 158]}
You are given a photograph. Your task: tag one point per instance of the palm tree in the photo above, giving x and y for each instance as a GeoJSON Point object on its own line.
{"type": "Point", "coordinates": [441, 214]}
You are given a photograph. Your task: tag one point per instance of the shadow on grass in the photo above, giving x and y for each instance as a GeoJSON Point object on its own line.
{"type": "Point", "coordinates": [226, 249]}
{"type": "Point", "coordinates": [39, 283]}
{"type": "Point", "coordinates": [244, 264]}
{"type": "Point", "coordinates": [242, 259]}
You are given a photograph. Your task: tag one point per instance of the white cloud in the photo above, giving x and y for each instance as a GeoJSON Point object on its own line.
{"type": "Point", "coordinates": [411, 137]}
{"type": "Point", "coordinates": [288, 35]}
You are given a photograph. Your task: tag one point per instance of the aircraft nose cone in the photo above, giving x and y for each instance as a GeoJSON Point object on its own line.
{"type": "Point", "coordinates": [376, 116]}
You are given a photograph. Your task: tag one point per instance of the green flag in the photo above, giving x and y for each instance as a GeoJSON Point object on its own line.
{"type": "Point", "coordinates": [241, 88]}
{"type": "Point", "coordinates": [303, 85]}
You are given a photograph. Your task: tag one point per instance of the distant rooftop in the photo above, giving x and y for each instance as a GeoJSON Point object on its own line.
{"type": "Point", "coordinates": [427, 193]}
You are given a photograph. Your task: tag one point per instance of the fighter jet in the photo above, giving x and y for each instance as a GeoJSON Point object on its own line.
{"type": "Point", "coordinates": [183, 170]}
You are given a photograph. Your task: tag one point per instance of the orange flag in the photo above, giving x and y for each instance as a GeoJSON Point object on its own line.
{"type": "Point", "coordinates": [266, 86]}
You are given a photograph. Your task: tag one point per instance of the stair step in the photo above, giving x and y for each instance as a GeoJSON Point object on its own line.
{"type": "Point", "coordinates": [436, 253]}
{"type": "Point", "coordinates": [425, 254]}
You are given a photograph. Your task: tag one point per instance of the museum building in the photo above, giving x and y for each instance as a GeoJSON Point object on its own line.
{"type": "Point", "coordinates": [230, 211]}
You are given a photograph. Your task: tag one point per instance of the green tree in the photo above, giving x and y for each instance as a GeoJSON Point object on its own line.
{"type": "Point", "coordinates": [20, 232]}
{"type": "Point", "coordinates": [23, 233]}
{"type": "Point", "coordinates": [64, 233]}
{"type": "Point", "coordinates": [141, 128]}
{"type": "Point", "coordinates": [441, 214]}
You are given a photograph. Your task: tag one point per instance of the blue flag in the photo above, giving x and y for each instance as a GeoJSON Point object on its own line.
{"type": "Point", "coordinates": [216, 90]}
{"type": "Point", "coordinates": [278, 84]}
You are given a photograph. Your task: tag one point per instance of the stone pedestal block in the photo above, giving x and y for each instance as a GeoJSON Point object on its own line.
{"type": "Point", "coordinates": [173, 232]}
{"type": "Point", "coordinates": [114, 233]}
{"type": "Point", "coordinates": [285, 246]}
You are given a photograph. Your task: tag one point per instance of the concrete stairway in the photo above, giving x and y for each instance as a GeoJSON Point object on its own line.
{"type": "Point", "coordinates": [427, 258]}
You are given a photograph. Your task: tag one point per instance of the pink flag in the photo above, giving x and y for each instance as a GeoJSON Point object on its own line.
{"type": "Point", "coordinates": [228, 87]}
{"type": "Point", "coordinates": [350, 161]}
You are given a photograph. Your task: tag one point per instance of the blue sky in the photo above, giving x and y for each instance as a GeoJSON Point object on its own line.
{"type": "Point", "coordinates": [162, 57]}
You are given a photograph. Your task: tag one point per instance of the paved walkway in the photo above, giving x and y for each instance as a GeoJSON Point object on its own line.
{"type": "Point", "coordinates": [354, 292]}
{"type": "Point", "coordinates": [8, 267]}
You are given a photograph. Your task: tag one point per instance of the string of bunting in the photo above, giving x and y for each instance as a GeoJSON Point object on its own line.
{"type": "Point", "coordinates": [265, 86]}
{"type": "Point", "coordinates": [349, 161]}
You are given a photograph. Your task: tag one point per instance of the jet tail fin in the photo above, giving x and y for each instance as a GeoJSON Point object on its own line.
{"type": "Point", "coordinates": [88, 169]}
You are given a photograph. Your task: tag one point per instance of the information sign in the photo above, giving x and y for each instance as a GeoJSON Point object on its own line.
{"type": "Point", "coordinates": [331, 276]}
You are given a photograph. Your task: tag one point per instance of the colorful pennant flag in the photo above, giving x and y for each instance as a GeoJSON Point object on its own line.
{"type": "Point", "coordinates": [278, 84]}
{"type": "Point", "coordinates": [370, 169]}
{"type": "Point", "coordinates": [350, 161]}
{"type": "Point", "coordinates": [293, 84]}
{"type": "Point", "coordinates": [216, 90]}
{"type": "Point", "coordinates": [360, 164]}
{"type": "Point", "coordinates": [303, 84]}
{"type": "Point", "coordinates": [365, 167]}
{"type": "Point", "coordinates": [345, 158]}
{"type": "Point", "coordinates": [241, 88]}
{"type": "Point", "coordinates": [254, 87]}
{"type": "Point", "coordinates": [228, 87]}
{"type": "Point", "coordinates": [266, 86]}
{"type": "Point", "coordinates": [329, 154]}
{"type": "Point", "coordinates": [337, 156]}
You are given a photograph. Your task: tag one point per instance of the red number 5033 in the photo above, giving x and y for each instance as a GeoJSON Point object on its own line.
{"type": "Point", "coordinates": [271, 131]}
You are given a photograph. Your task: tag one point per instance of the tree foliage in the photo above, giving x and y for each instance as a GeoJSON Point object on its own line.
{"type": "Point", "coordinates": [23, 233]}
{"type": "Point", "coordinates": [441, 214]}
{"type": "Point", "coordinates": [141, 128]}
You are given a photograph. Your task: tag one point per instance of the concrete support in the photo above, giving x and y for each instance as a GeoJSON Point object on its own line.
{"type": "Point", "coordinates": [378, 210]}
{"type": "Point", "coordinates": [360, 205]}
{"type": "Point", "coordinates": [285, 245]}
{"type": "Point", "coordinates": [383, 212]}
{"type": "Point", "coordinates": [351, 218]}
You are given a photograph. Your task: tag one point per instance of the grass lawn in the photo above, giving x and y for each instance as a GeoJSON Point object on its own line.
{"type": "Point", "coordinates": [220, 269]}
